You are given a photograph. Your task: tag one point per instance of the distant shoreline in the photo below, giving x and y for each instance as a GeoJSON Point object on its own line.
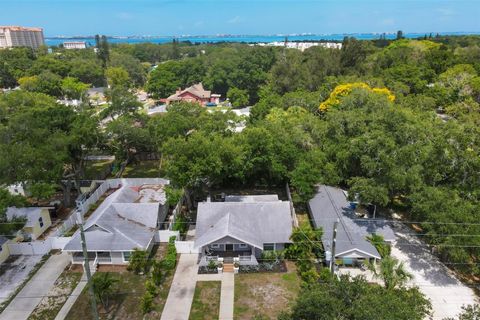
{"type": "Point", "coordinates": [56, 40]}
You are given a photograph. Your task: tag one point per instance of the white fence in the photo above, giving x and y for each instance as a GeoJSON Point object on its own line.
{"type": "Point", "coordinates": [30, 248]}
{"type": "Point", "coordinates": [67, 224]}
{"type": "Point", "coordinates": [185, 247]}
{"type": "Point", "coordinates": [38, 246]}
{"type": "Point", "coordinates": [164, 235]}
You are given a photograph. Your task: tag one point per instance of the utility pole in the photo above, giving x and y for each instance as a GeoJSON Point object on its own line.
{"type": "Point", "coordinates": [93, 302]}
{"type": "Point", "coordinates": [334, 240]}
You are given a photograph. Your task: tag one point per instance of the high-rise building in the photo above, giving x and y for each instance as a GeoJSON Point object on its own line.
{"type": "Point", "coordinates": [15, 36]}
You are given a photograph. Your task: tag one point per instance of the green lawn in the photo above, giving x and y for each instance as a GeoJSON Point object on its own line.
{"type": "Point", "coordinates": [265, 294]}
{"type": "Point", "coordinates": [49, 306]}
{"type": "Point", "coordinates": [95, 169]}
{"type": "Point", "coordinates": [206, 300]}
{"type": "Point", "coordinates": [142, 169]}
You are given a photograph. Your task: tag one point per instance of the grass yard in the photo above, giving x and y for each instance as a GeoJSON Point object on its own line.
{"type": "Point", "coordinates": [303, 219]}
{"type": "Point", "coordinates": [142, 169]}
{"type": "Point", "coordinates": [49, 306]}
{"type": "Point", "coordinates": [265, 294]}
{"type": "Point", "coordinates": [97, 169]}
{"type": "Point", "coordinates": [206, 300]}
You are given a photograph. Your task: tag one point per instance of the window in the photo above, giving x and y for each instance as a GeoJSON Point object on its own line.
{"type": "Point", "coordinates": [215, 246]}
{"type": "Point", "coordinates": [40, 220]}
{"type": "Point", "coordinates": [126, 256]}
{"type": "Point", "coordinates": [268, 246]}
{"type": "Point", "coordinates": [242, 246]}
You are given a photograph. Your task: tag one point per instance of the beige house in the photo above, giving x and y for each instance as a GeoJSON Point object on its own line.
{"type": "Point", "coordinates": [38, 220]}
{"type": "Point", "coordinates": [4, 252]}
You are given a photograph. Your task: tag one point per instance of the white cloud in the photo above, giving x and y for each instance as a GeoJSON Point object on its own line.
{"type": "Point", "coordinates": [235, 19]}
{"type": "Point", "coordinates": [199, 23]}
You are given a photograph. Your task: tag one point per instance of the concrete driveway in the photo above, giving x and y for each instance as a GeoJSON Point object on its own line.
{"type": "Point", "coordinates": [180, 296]}
{"type": "Point", "coordinates": [434, 279]}
{"type": "Point", "coordinates": [27, 299]}
{"type": "Point", "coordinates": [14, 271]}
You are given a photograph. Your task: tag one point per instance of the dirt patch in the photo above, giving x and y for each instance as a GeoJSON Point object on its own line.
{"type": "Point", "coordinates": [112, 268]}
{"type": "Point", "coordinates": [51, 304]}
{"type": "Point", "coordinates": [206, 300]}
{"type": "Point", "coordinates": [265, 294]}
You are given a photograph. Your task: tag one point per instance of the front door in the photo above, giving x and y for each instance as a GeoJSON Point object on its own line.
{"type": "Point", "coordinates": [229, 247]}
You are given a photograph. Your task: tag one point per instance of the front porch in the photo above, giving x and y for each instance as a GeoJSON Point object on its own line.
{"type": "Point", "coordinates": [244, 260]}
{"type": "Point", "coordinates": [100, 257]}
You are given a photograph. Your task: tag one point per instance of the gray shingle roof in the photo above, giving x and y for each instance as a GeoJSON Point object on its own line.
{"type": "Point", "coordinates": [254, 223]}
{"type": "Point", "coordinates": [330, 204]}
{"type": "Point", "coordinates": [125, 220]}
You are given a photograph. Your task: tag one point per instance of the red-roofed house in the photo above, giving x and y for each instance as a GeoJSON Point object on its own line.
{"type": "Point", "coordinates": [195, 93]}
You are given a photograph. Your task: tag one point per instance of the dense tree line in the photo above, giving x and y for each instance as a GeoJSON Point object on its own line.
{"type": "Point", "coordinates": [396, 122]}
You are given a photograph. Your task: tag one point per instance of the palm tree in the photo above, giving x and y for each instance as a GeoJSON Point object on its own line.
{"type": "Point", "coordinates": [103, 287]}
{"type": "Point", "coordinates": [379, 243]}
{"type": "Point", "coordinates": [391, 271]}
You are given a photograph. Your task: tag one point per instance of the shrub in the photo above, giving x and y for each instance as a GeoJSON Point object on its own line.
{"type": "Point", "coordinates": [146, 303]}
{"type": "Point", "coordinates": [173, 195]}
{"type": "Point", "coordinates": [211, 265]}
{"type": "Point", "coordinates": [151, 288]}
{"type": "Point", "coordinates": [138, 261]}
{"type": "Point", "coordinates": [157, 274]}
{"type": "Point", "coordinates": [181, 224]}
{"type": "Point", "coordinates": [170, 260]}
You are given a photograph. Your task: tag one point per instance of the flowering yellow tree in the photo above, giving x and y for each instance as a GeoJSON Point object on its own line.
{"type": "Point", "coordinates": [343, 90]}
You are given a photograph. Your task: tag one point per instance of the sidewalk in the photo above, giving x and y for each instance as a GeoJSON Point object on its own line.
{"type": "Point", "coordinates": [62, 314]}
{"type": "Point", "coordinates": [27, 299]}
{"type": "Point", "coordinates": [180, 297]}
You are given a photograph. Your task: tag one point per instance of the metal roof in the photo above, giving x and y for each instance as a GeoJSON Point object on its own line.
{"type": "Point", "coordinates": [125, 220]}
{"type": "Point", "coordinates": [329, 205]}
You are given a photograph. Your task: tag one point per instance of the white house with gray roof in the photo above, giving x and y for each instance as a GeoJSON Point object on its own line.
{"type": "Point", "coordinates": [330, 204]}
{"type": "Point", "coordinates": [242, 227]}
{"type": "Point", "coordinates": [126, 219]}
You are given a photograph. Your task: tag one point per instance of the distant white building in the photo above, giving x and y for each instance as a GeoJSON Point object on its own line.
{"type": "Point", "coordinates": [75, 45]}
{"type": "Point", "coordinates": [16, 36]}
{"type": "Point", "coordinates": [302, 46]}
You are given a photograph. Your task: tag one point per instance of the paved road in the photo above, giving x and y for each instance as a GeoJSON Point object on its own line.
{"type": "Point", "coordinates": [27, 299]}
{"type": "Point", "coordinates": [436, 281]}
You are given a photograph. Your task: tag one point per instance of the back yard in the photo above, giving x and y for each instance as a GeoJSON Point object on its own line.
{"type": "Point", "coordinates": [142, 169]}
{"type": "Point", "coordinates": [265, 294]}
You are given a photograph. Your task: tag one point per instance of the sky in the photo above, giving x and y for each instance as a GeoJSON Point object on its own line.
{"type": "Point", "coordinates": [252, 17]}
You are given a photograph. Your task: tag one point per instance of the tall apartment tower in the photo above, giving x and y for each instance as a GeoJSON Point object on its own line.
{"type": "Point", "coordinates": [15, 36]}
